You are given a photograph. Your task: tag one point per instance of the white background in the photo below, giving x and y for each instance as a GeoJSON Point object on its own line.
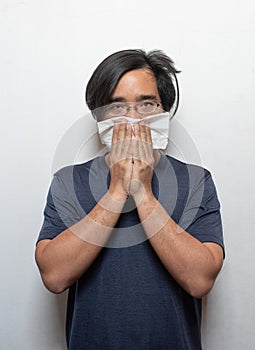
{"type": "Point", "coordinates": [49, 49]}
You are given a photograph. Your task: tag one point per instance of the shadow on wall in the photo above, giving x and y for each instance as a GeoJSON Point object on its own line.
{"type": "Point", "coordinates": [58, 311]}
{"type": "Point", "coordinates": [49, 317]}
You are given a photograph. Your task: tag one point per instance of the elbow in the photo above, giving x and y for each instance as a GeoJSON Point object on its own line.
{"type": "Point", "coordinates": [52, 278]}
{"type": "Point", "coordinates": [200, 289]}
{"type": "Point", "coordinates": [200, 285]}
{"type": "Point", "coordinates": [54, 284]}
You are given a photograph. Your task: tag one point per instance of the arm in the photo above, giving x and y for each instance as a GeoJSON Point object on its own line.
{"type": "Point", "coordinates": [65, 258]}
{"type": "Point", "coordinates": [193, 264]}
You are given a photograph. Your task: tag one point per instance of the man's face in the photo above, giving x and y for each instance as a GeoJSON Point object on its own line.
{"type": "Point", "coordinates": [136, 96]}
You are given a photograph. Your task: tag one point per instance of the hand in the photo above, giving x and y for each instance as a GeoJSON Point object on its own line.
{"type": "Point", "coordinates": [120, 161]}
{"type": "Point", "coordinates": [143, 162]}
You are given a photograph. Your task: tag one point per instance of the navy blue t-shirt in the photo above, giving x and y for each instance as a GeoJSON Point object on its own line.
{"type": "Point", "coordinates": [127, 300]}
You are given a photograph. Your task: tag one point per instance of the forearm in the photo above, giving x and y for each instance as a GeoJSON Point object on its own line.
{"type": "Point", "coordinates": [192, 263]}
{"type": "Point", "coordinates": [64, 259]}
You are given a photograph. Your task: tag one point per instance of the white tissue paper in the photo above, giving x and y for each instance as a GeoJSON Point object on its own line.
{"type": "Point", "coordinates": [158, 123]}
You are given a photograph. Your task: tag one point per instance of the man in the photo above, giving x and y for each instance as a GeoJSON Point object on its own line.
{"type": "Point", "coordinates": [135, 235]}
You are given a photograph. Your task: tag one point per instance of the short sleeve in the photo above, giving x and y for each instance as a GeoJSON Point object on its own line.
{"type": "Point", "coordinates": [202, 217]}
{"type": "Point", "coordinates": [62, 208]}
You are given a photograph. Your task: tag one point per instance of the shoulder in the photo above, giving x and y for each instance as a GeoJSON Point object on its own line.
{"type": "Point", "coordinates": [180, 165]}
{"type": "Point", "coordinates": [182, 168]}
{"type": "Point", "coordinates": [66, 170]}
{"type": "Point", "coordinates": [80, 169]}
{"type": "Point", "coordinates": [193, 178]}
{"type": "Point", "coordinates": [67, 177]}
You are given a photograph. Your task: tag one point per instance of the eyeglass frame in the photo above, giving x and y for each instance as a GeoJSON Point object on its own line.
{"type": "Point", "coordinates": [133, 106]}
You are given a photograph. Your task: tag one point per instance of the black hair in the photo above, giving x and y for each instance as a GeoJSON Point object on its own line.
{"type": "Point", "coordinates": [107, 75]}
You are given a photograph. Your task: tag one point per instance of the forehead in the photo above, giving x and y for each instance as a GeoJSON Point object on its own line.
{"type": "Point", "coordinates": [136, 83]}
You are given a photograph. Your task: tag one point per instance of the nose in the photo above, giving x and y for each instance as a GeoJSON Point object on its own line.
{"type": "Point", "coordinates": [132, 113]}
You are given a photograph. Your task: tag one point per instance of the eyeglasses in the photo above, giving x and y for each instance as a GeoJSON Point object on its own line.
{"type": "Point", "coordinates": [122, 109]}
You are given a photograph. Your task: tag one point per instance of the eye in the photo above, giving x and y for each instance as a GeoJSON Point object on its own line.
{"type": "Point", "coordinates": [146, 104]}
{"type": "Point", "coordinates": [115, 107]}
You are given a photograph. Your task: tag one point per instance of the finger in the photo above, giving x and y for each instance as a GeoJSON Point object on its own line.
{"type": "Point", "coordinates": [137, 134]}
{"type": "Point", "coordinates": [125, 136]}
{"type": "Point", "coordinates": [115, 133]}
{"type": "Point", "coordinates": [146, 140]}
{"type": "Point", "coordinates": [144, 151]}
{"type": "Point", "coordinates": [128, 134]}
{"type": "Point", "coordinates": [149, 138]}
{"type": "Point", "coordinates": [145, 136]}
{"type": "Point", "coordinates": [137, 143]}
{"type": "Point", "coordinates": [122, 130]}
{"type": "Point", "coordinates": [122, 135]}
{"type": "Point", "coordinates": [145, 133]}
{"type": "Point", "coordinates": [127, 142]}
{"type": "Point", "coordinates": [116, 149]}
{"type": "Point", "coordinates": [148, 143]}
{"type": "Point", "coordinates": [119, 132]}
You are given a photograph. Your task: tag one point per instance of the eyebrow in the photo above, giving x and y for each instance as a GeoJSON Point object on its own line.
{"type": "Point", "coordinates": [138, 98]}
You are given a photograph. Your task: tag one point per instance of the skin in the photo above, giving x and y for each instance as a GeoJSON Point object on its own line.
{"type": "Point", "coordinates": [64, 259]}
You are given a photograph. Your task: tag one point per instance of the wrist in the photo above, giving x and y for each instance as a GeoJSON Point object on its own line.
{"type": "Point", "coordinates": [144, 196]}
{"type": "Point", "coordinates": [117, 195]}
{"type": "Point", "coordinates": [152, 215]}
{"type": "Point", "coordinates": [112, 204]}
